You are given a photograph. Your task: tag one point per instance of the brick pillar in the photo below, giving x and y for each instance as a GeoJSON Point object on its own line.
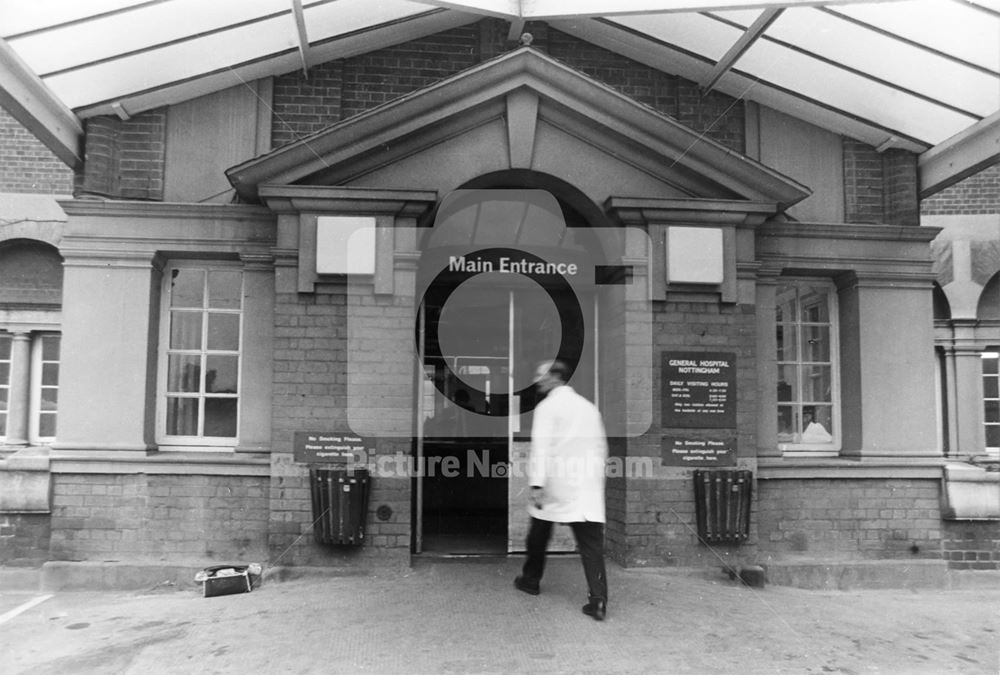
{"type": "Point", "coordinates": [125, 159]}
{"type": "Point", "coordinates": [142, 157]}
{"type": "Point", "coordinates": [862, 183]}
{"type": "Point", "coordinates": [100, 152]}
{"type": "Point", "coordinates": [901, 201]}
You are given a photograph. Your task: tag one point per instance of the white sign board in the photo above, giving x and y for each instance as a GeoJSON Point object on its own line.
{"type": "Point", "coordinates": [345, 245]}
{"type": "Point", "coordinates": [694, 255]}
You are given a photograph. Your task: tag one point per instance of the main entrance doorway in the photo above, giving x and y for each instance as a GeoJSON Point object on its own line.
{"type": "Point", "coordinates": [472, 487]}
{"type": "Point", "coordinates": [486, 320]}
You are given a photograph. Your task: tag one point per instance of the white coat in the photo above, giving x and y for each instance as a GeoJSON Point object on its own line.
{"type": "Point", "coordinates": [568, 455]}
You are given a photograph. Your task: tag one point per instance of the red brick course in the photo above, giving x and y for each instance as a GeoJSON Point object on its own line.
{"type": "Point", "coordinates": [173, 518]}
{"type": "Point", "coordinates": [125, 158]}
{"type": "Point", "coordinates": [28, 166]}
{"type": "Point", "coordinates": [852, 518]}
{"type": "Point", "coordinates": [977, 194]}
{"type": "Point", "coordinates": [24, 538]}
{"type": "Point", "coordinates": [972, 545]}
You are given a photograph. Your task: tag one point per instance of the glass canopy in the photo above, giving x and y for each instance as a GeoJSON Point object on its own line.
{"type": "Point", "coordinates": [904, 73]}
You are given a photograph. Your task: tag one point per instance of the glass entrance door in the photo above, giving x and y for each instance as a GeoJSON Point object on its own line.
{"type": "Point", "coordinates": [480, 345]}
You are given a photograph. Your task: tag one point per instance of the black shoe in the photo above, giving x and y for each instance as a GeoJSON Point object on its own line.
{"type": "Point", "coordinates": [522, 584]}
{"type": "Point", "coordinates": [596, 609]}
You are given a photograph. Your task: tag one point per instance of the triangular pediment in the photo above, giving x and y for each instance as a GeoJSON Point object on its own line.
{"type": "Point", "coordinates": [520, 111]}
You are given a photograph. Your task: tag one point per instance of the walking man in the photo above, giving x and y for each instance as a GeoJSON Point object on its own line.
{"type": "Point", "coordinates": [566, 474]}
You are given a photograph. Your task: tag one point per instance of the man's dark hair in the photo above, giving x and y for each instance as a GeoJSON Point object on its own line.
{"type": "Point", "coordinates": [561, 370]}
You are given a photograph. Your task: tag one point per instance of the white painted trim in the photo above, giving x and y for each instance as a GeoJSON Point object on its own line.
{"type": "Point", "coordinates": [7, 616]}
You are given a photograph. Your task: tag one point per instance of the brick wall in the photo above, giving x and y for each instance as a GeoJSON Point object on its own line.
{"type": "Point", "coordinates": [972, 545]}
{"type": "Point", "coordinates": [24, 538]}
{"type": "Point", "coordinates": [879, 187]}
{"type": "Point", "coordinates": [655, 524]}
{"type": "Point", "coordinates": [850, 518]}
{"type": "Point", "coordinates": [174, 519]}
{"type": "Point", "coordinates": [719, 116]}
{"type": "Point", "coordinates": [310, 393]}
{"type": "Point", "coordinates": [900, 202]}
{"type": "Point", "coordinates": [979, 193]}
{"type": "Point", "coordinates": [378, 77]}
{"type": "Point", "coordinates": [28, 166]}
{"type": "Point", "coordinates": [124, 158]}
{"type": "Point", "coordinates": [302, 105]}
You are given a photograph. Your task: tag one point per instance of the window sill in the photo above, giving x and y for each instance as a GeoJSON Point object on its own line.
{"type": "Point", "coordinates": [818, 467]}
{"type": "Point", "coordinates": [179, 461]}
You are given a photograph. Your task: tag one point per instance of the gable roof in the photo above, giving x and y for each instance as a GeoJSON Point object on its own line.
{"type": "Point", "coordinates": [524, 88]}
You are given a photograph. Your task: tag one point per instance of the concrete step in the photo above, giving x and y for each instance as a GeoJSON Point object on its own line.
{"type": "Point", "coordinates": [795, 572]}
{"type": "Point", "coordinates": [857, 574]}
{"type": "Point", "coordinates": [20, 578]}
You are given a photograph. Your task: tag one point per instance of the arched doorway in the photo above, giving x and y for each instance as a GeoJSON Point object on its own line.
{"type": "Point", "coordinates": [506, 280]}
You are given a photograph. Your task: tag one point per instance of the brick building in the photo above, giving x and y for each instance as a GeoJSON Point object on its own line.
{"type": "Point", "coordinates": [230, 269]}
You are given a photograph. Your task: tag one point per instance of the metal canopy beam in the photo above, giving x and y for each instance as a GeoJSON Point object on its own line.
{"type": "Point", "coordinates": [32, 104]}
{"type": "Point", "coordinates": [300, 31]}
{"type": "Point", "coordinates": [755, 30]}
{"type": "Point", "coordinates": [961, 156]}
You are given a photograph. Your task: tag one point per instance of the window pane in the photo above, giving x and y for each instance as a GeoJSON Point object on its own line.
{"type": "Point", "coordinates": [990, 364]}
{"type": "Point", "coordinates": [3, 424]}
{"type": "Point", "coordinates": [817, 384]}
{"type": "Point", "coordinates": [185, 330]}
{"type": "Point", "coordinates": [182, 416]}
{"type": "Point", "coordinates": [50, 399]}
{"type": "Point", "coordinates": [786, 424]}
{"type": "Point", "coordinates": [787, 383]}
{"type": "Point", "coordinates": [223, 331]}
{"type": "Point", "coordinates": [5, 342]}
{"type": "Point", "coordinates": [992, 435]}
{"type": "Point", "coordinates": [814, 304]}
{"type": "Point", "coordinates": [4, 373]}
{"type": "Point", "coordinates": [787, 350]}
{"type": "Point", "coordinates": [184, 373]}
{"type": "Point", "coordinates": [816, 343]}
{"type": "Point", "coordinates": [991, 411]}
{"type": "Point", "coordinates": [50, 348]}
{"type": "Point", "coordinates": [187, 288]}
{"type": "Point", "coordinates": [3, 398]}
{"type": "Point", "coordinates": [816, 424]}
{"type": "Point", "coordinates": [47, 425]}
{"type": "Point", "coordinates": [220, 417]}
{"type": "Point", "coordinates": [990, 387]}
{"type": "Point", "coordinates": [225, 289]}
{"type": "Point", "coordinates": [50, 374]}
{"type": "Point", "coordinates": [221, 374]}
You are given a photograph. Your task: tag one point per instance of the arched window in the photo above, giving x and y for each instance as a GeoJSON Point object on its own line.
{"type": "Point", "coordinates": [31, 278]}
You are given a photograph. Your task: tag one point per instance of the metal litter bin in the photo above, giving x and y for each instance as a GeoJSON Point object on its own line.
{"type": "Point", "coordinates": [722, 505]}
{"type": "Point", "coordinates": [340, 505]}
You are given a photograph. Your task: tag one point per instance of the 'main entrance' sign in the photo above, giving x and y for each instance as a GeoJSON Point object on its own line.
{"type": "Point", "coordinates": [699, 390]}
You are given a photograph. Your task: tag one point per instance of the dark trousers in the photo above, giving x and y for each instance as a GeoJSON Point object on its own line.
{"type": "Point", "coordinates": [590, 541]}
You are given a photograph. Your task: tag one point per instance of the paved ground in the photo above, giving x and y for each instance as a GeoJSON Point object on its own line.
{"type": "Point", "coordinates": [450, 617]}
